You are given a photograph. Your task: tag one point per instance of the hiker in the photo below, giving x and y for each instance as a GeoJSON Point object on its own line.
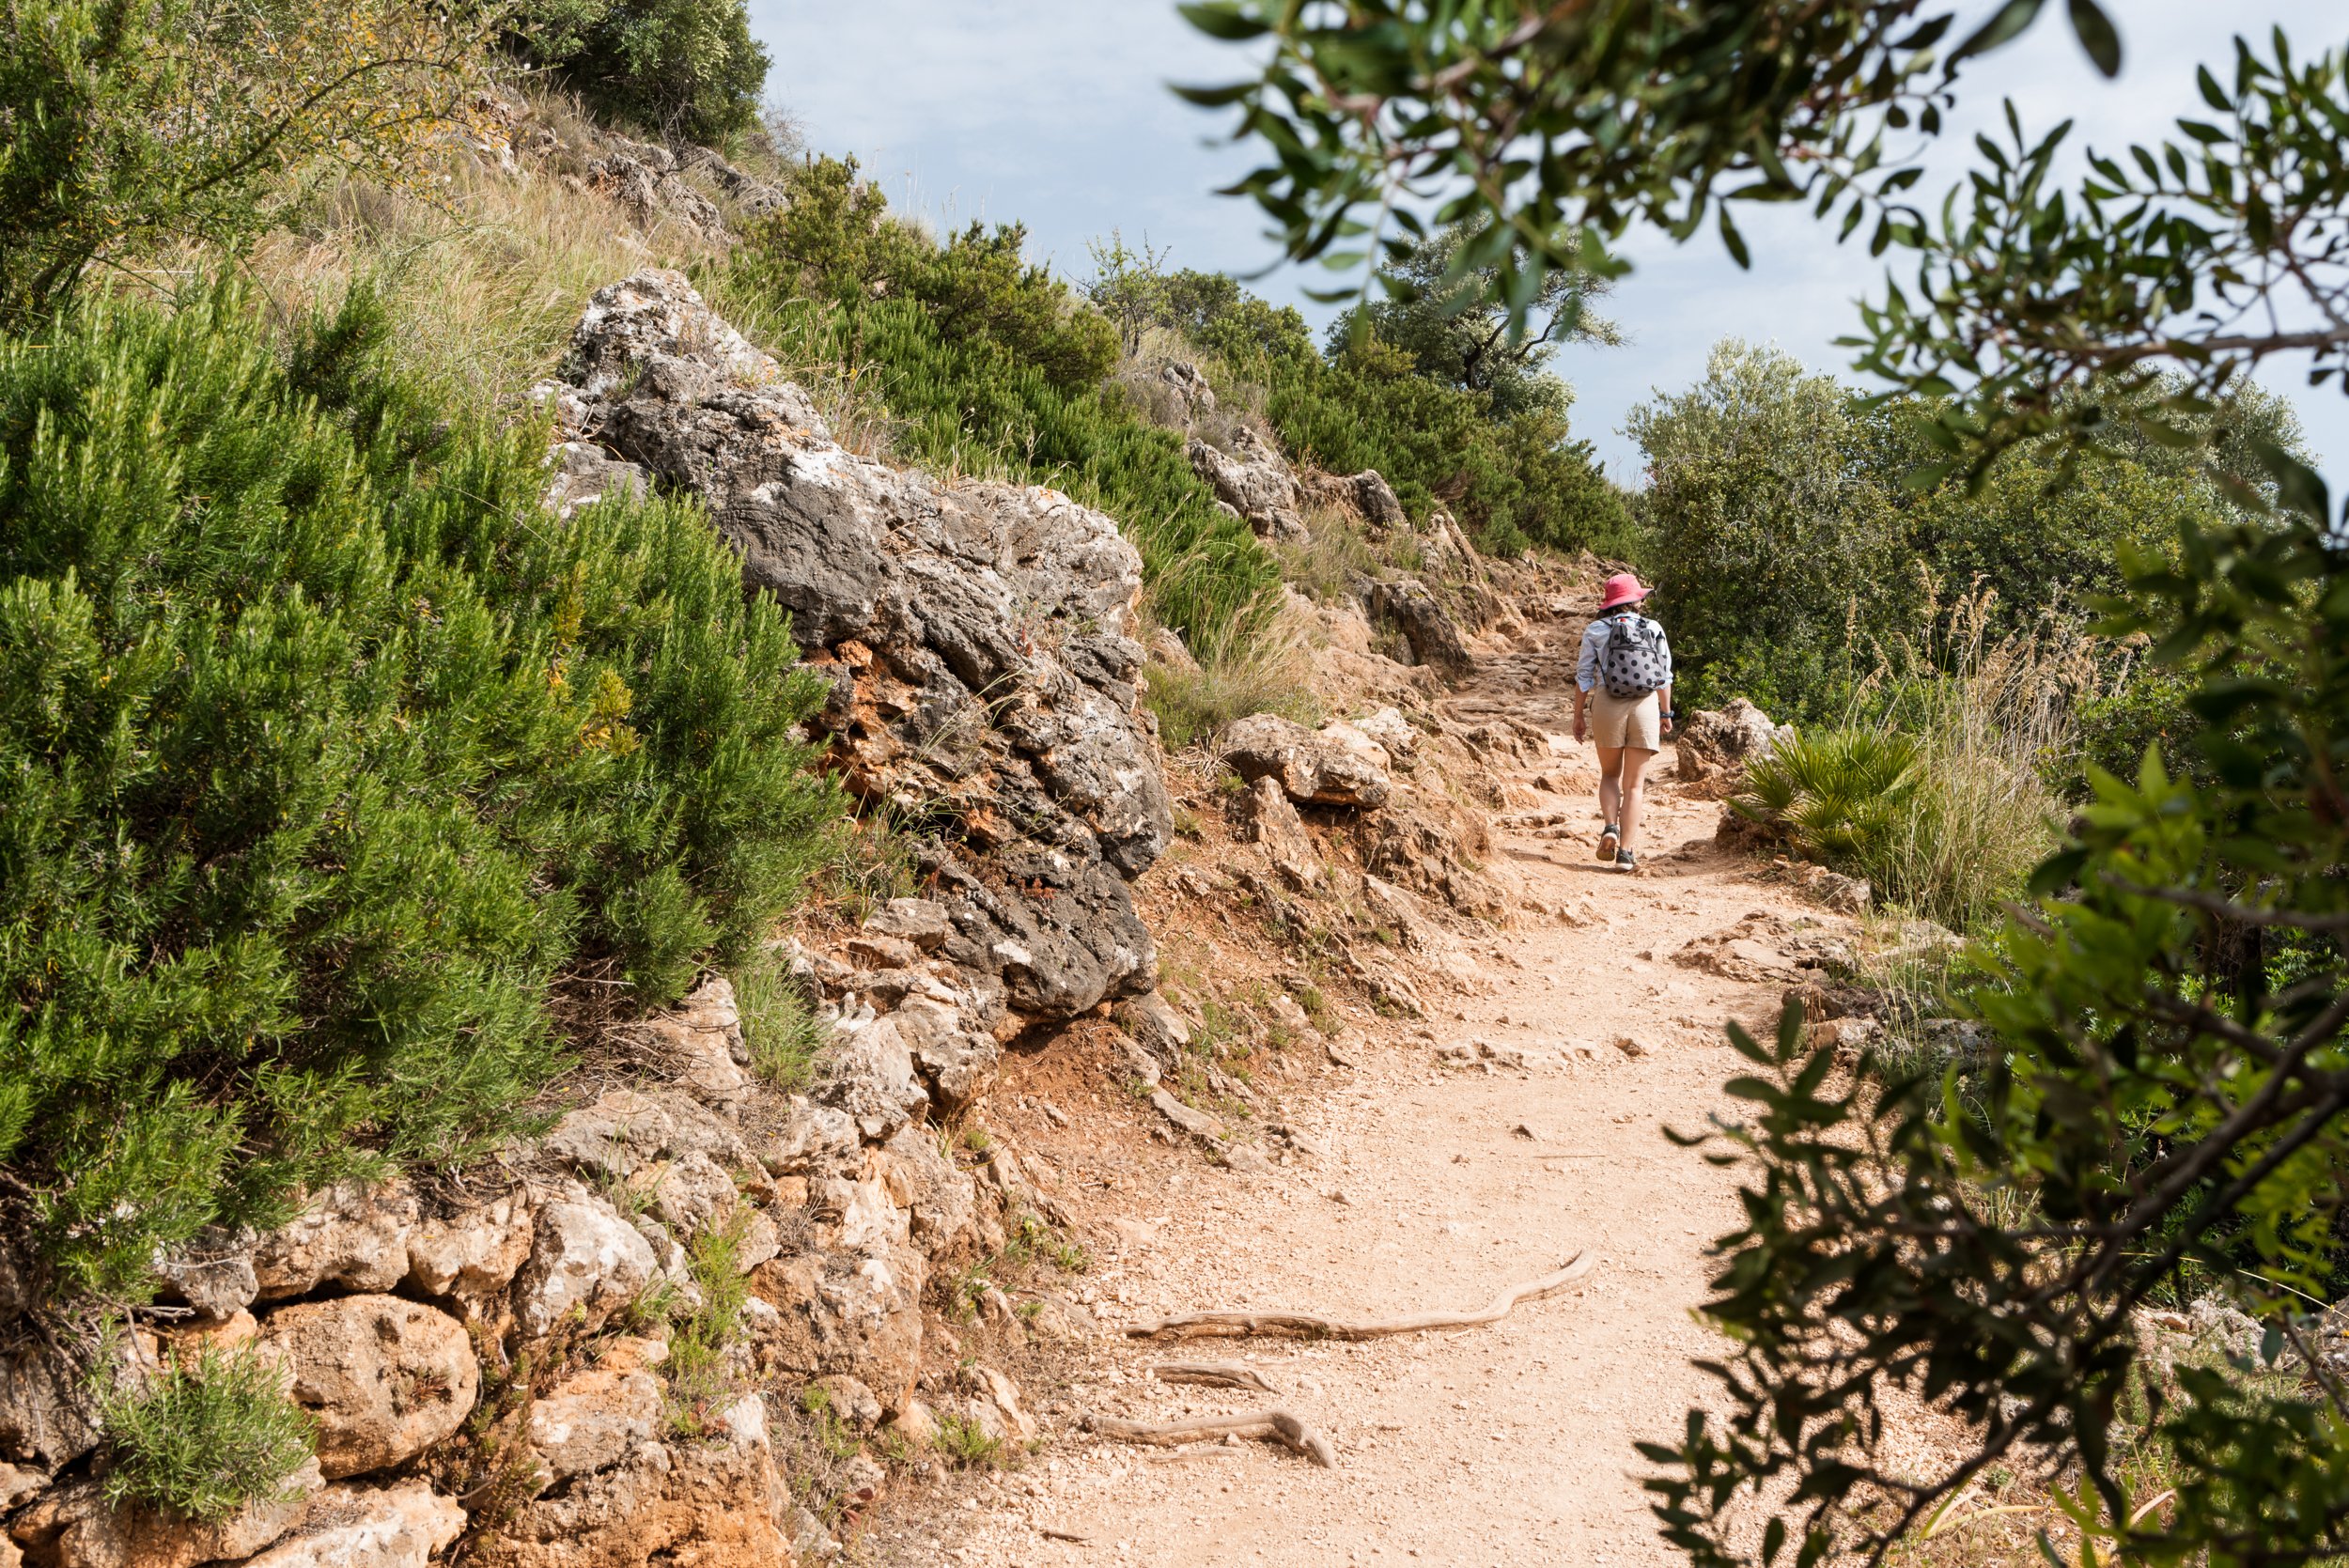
{"type": "Point", "coordinates": [1625, 658]}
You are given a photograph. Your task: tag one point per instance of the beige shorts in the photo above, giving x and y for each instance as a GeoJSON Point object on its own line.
{"type": "Point", "coordinates": [1632, 722]}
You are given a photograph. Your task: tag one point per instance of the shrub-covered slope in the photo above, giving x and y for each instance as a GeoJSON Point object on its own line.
{"type": "Point", "coordinates": [326, 757]}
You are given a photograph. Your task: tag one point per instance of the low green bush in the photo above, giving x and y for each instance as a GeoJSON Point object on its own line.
{"type": "Point", "coordinates": [327, 760]}
{"type": "Point", "coordinates": [204, 1439]}
{"type": "Point", "coordinates": [782, 1031]}
{"type": "Point", "coordinates": [1940, 790]}
{"type": "Point", "coordinates": [1836, 794]}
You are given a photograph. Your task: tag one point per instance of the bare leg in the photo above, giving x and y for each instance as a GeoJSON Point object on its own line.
{"type": "Point", "coordinates": [1610, 784]}
{"type": "Point", "coordinates": [1632, 790]}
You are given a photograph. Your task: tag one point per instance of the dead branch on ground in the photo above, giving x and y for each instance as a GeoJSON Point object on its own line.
{"type": "Point", "coordinates": [1276, 1425]}
{"type": "Point", "coordinates": [1214, 1374]}
{"type": "Point", "coordinates": [1239, 1324]}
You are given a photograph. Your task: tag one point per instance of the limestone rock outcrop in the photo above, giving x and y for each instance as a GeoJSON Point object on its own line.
{"type": "Point", "coordinates": [1324, 768]}
{"type": "Point", "coordinates": [1255, 482]}
{"type": "Point", "coordinates": [1433, 635]}
{"type": "Point", "coordinates": [74, 1527]}
{"type": "Point", "coordinates": [979, 636]}
{"type": "Point", "coordinates": [402, 1526]}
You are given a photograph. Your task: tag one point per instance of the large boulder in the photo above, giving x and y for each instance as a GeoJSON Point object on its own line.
{"type": "Point", "coordinates": [473, 1251]}
{"type": "Point", "coordinates": [47, 1412]}
{"type": "Point", "coordinates": [1714, 748]}
{"type": "Point", "coordinates": [385, 1377]}
{"type": "Point", "coordinates": [1267, 818]}
{"type": "Point", "coordinates": [351, 1236]}
{"type": "Point", "coordinates": [1255, 481]}
{"type": "Point", "coordinates": [213, 1275]}
{"type": "Point", "coordinates": [698, 1045]}
{"type": "Point", "coordinates": [679, 1505]}
{"type": "Point", "coordinates": [850, 1302]}
{"type": "Point", "coordinates": [592, 1419]}
{"type": "Point", "coordinates": [1434, 637]}
{"type": "Point", "coordinates": [1309, 768]}
{"type": "Point", "coordinates": [74, 1527]}
{"type": "Point", "coordinates": [979, 636]}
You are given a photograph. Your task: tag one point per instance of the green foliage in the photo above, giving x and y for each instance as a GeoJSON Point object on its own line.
{"type": "Point", "coordinates": [836, 242]}
{"type": "Point", "coordinates": [686, 68]}
{"type": "Point", "coordinates": [2170, 1072]}
{"type": "Point", "coordinates": [324, 758]}
{"type": "Point", "coordinates": [989, 364]}
{"type": "Point", "coordinates": [1550, 138]}
{"type": "Point", "coordinates": [1516, 481]}
{"type": "Point", "coordinates": [701, 1339]}
{"type": "Point", "coordinates": [1451, 324]}
{"type": "Point", "coordinates": [1836, 794]}
{"type": "Point", "coordinates": [1500, 456]}
{"type": "Point", "coordinates": [2169, 1094]}
{"type": "Point", "coordinates": [203, 1438]}
{"type": "Point", "coordinates": [1769, 538]}
{"type": "Point", "coordinates": [783, 1032]}
{"type": "Point", "coordinates": [1789, 545]}
{"type": "Point", "coordinates": [965, 1442]}
{"type": "Point", "coordinates": [127, 125]}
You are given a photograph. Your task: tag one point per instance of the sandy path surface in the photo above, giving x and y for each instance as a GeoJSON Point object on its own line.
{"type": "Point", "coordinates": [1510, 1444]}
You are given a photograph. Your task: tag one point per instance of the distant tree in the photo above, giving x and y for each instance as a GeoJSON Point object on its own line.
{"type": "Point", "coordinates": [1448, 316]}
{"type": "Point", "coordinates": [1128, 285]}
{"type": "Point", "coordinates": [130, 125]}
{"type": "Point", "coordinates": [680, 69]}
{"type": "Point", "coordinates": [1768, 531]}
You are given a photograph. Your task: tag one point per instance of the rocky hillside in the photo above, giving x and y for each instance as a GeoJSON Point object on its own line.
{"type": "Point", "coordinates": [703, 1320]}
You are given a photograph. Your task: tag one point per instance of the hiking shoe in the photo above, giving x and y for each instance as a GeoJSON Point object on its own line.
{"type": "Point", "coordinates": [1625, 863]}
{"type": "Point", "coordinates": [1609, 841]}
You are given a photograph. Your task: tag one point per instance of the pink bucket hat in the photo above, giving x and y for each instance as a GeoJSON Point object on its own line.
{"type": "Point", "coordinates": [1622, 588]}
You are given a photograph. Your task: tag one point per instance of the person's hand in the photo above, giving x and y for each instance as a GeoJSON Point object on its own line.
{"type": "Point", "coordinates": [1581, 730]}
{"type": "Point", "coordinates": [1668, 723]}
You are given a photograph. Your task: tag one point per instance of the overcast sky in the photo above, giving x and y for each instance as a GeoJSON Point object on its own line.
{"type": "Point", "coordinates": [1055, 113]}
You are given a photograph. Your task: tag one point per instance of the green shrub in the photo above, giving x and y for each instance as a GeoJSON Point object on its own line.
{"type": "Point", "coordinates": [1835, 793]}
{"type": "Point", "coordinates": [965, 1442]}
{"type": "Point", "coordinates": [989, 366]}
{"type": "Point", "coordinates": [675, 69]}
{"type": "Point", "coordinates": [1938, 793]}
{"type": "Point", "coordinates": [204, 1439]}
{"type": "Point", "coordinates": [325, 758]}
{"type": "Point", "coordinates": [698, 1371]}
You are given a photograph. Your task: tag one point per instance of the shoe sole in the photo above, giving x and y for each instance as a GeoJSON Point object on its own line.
{"type": "Point", "coordinates": [1628, 867]}
{"type": "Point", "coordinates": [1608, 844]}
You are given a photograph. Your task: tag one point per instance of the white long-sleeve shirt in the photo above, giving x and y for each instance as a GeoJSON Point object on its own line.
{"type": "Point", "coordinates": [1595, 643]}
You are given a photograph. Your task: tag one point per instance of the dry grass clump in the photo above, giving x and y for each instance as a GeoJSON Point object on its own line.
{"type": "Point", "coordinates": [488, 274]}
{"type": "Point", "coordinates": [1936, 787]}
{"type": "Point", "coordinates": [1255, 667]}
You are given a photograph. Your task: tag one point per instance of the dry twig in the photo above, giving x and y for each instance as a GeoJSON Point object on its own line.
{"type": "Point", "coordinates": [1213, 1374]}
{"type": "Point", "coordinates": [1277, 1425]}
{"type": "Point", "coordinates": [1237, 1323]}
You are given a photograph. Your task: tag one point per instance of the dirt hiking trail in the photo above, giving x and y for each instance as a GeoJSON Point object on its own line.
{"type": "Point", "coordinates": [1435, 1187]}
